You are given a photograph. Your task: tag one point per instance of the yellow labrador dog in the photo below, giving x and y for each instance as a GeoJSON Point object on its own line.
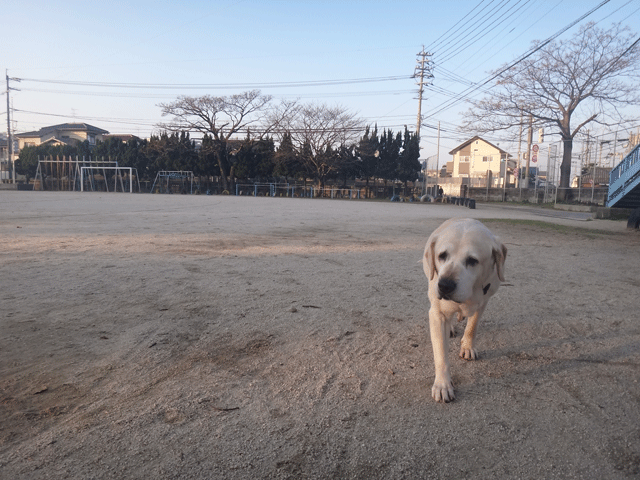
{"type": "Point", "coordinates": [464, 263]}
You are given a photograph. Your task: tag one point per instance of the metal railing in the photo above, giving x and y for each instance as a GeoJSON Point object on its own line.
{"type": "Point", "coordinates": [624, 177]}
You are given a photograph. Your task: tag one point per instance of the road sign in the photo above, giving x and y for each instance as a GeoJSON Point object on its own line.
{"type": "Point", "coordinates": [535, 148]}
{"type": "Point", "coordinates": [534, 158]}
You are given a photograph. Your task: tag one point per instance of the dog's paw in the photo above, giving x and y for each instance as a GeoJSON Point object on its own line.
{"type": "Point", "coordinates": [468, 353]}
{"type": "Point", "coordinates": [442, 391]}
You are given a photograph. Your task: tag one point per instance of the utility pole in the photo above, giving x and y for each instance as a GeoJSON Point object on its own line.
{"type": "Point", "coordinates": [423, 73]}
{"type": "Point", "coordinates": [437, 162]}
{"type": "Point", "coordinates": [585, 155]}
{"type": "Point", "coordinates": [9, 137]}
{"type": "Point", "coordinates": [9, 141]}
{"type": "Point", "coordinates": [529, 142]}
{"type": "Point", "coordinates": [595, 163]}
{"type": "Point", "coordinates": [519, 157]}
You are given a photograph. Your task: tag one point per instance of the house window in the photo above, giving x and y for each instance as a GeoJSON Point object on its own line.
{"type": "Point", "coordinates": [92, 140]}
{"type": "Point", "coordinates": [486, 159]}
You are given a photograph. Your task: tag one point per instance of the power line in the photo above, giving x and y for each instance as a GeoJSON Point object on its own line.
{"type": "Point", "coordinates": [173, 95]}
{"type": "Point", "coordinates": [497, 22]}
{"type": "Point", "coordinates": [112, 119]}
{"type": "Point", "coordinates": [531, 24]}
{"type": "Point", "coordinates": [466, 93]}
{"type": "Point", "coordinates": [436, 43]}
{"type": "Point", "coordinates": [443, 40]}
{"type": "Point", "coordinates": [187, 86]}
{"type": "Point", "coordinates": [454, 77]}
{"type": "Point", "coordinates": [479, 24]}
{"type": "Point", "coordinates": [448, 74]}
{"type": "Point", "coordinates": [148, 123]}
{"type": "Point", "coordinates": [126, 121]}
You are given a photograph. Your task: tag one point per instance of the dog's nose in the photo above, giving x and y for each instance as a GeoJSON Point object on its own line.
{"type": "Point", "coordinates": [446, 286]}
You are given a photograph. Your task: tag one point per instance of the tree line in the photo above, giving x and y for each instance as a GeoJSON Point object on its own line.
{"type": "Point", "coordinates": [560, 85]}
{"type": "Point", "coordinates": [385, 155]}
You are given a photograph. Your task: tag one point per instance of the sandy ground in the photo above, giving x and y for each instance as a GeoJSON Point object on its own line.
{"type": "Point", "coordinates": [147, 336]}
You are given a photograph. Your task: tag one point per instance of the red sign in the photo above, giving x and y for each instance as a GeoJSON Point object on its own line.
{"type": "Point", "coordinates": [534, 158]}
{"type": "Point", "coordinates": [535, 148]}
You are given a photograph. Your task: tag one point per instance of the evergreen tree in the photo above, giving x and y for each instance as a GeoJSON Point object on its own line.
{"type": "Point", "coordinates": [135, 157]}
{"type": "Point", "coordinates": [265, 152]}
{"type": "Point", "coordinates": [27, 163]}
{"type": "Point", "coordinates": [389, 157]}
{"type": "Point", "coordinates": [286, 159]}
{"type": "Point", "coordinates": [409, 161]}
{"type": "Point", "coordinates": [207, 161]}
{"type": "Point", "coordinates": [349, 164]}
{"type": "Point", "coordinates": [367, 152]}
{"type": "Point", "coordinates": [254, 159]}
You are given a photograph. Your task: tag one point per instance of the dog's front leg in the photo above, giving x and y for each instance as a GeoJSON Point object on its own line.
{"type": "Point", "coordinates": [467, 345]}
{"type": "Point", "coordinates": [442, 390]}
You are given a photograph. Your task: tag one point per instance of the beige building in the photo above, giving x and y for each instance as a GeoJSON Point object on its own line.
{"type": "Point", "coordinates": [64, 134]}
{"type": "Point", "coordinates": [476, 157]}
{"type": "Point", "coordinates": [4, 150]}
{"type": "Point", "coordinates": [5, 165]}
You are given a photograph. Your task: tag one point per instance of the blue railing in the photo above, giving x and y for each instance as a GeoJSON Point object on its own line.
{"type": "Point", "coordinates": [624, 177]}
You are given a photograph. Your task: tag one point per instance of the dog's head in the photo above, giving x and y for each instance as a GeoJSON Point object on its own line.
{"type": "Point", "coordinates": [463, 257]}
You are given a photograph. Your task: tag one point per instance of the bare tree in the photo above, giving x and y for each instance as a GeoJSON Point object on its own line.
{"type": "Point", "coordinates": [317, 132]}
{"type": "Point", "coordinates": [589, 78]}
{"type": "Point", "coordinates": [219, 117]}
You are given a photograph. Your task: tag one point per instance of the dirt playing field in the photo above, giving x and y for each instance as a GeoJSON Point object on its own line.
{"type": "Point", "coordinates": [197, 337]}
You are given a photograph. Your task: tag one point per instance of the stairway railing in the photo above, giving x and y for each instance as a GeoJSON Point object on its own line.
{"type": "Point", "coordinates": [624, 177]}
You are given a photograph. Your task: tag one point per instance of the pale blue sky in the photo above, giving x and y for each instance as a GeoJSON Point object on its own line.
{"type": "Point", "coordinates": [264, 42]}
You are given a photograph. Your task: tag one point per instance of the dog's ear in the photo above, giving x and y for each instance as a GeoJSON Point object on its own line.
{"type": "Point", "coordinates": [499, 256]}
{"type": "Point", "coordinates": [430, 258]}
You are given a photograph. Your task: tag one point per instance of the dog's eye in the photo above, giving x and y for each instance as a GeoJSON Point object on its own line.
{"type": "Point", "coordinates": [443, 256]}
{"type": "Point", "coordinates": [471, 262]}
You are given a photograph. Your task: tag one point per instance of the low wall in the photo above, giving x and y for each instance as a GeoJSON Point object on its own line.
{"type": "Point", "coordinates": [533, 195]}
{"type": "Point", "coordinates": [529, 195]}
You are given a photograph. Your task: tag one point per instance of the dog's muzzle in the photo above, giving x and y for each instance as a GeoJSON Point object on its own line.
{"type": "Point", "coordinates": [446, 287]}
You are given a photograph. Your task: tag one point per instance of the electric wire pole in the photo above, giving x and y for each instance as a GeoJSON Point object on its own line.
{"type": "Point", "coordinates": [9, 142]}
{"type": "Point", "coordinates": [437, 162]}
{"type": "Point", "coordinates": [9, 137]}
{"type": "Point", "coordinates": [528, 154]}
{"type": "Point", "coordinates": [423, 73]}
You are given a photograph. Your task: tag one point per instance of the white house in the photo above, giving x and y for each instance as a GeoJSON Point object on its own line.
{"type": "Point", "coordinates": [476, 157]}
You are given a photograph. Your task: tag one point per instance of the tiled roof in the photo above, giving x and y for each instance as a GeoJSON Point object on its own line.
{"type": "Point", "coordinates": [70, 127]}
{"type": "Point", "coordinates": [462, 145]}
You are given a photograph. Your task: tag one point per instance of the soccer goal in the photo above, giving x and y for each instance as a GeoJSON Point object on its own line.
{"type": "Point", "coordinates": [120, 178]}
{"type": "Point", "coordinates": [173, 182]}
{"type": "Point", "coordinates": [263, 189]}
